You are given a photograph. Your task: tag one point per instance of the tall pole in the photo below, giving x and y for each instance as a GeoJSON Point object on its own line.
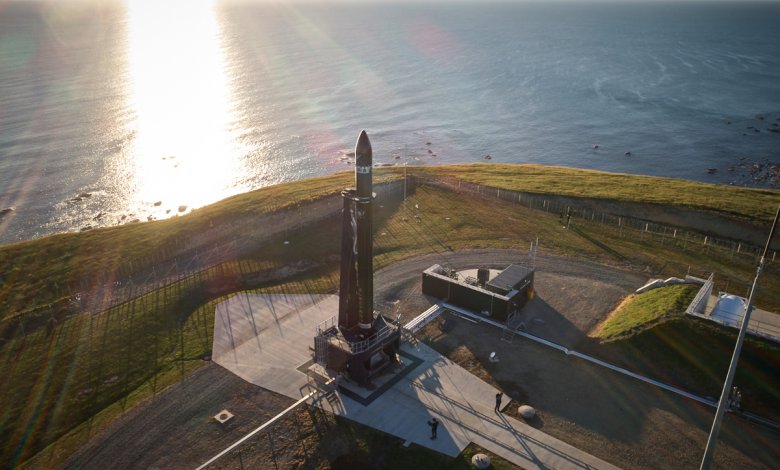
{"type": "Point", "coordinates": [404, 218]}
{"type": "Point", "coordinates": [724, 394]}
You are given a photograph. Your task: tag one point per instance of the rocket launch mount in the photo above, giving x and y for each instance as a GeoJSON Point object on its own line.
{"type": "Point", "coordinates": [363, 343]}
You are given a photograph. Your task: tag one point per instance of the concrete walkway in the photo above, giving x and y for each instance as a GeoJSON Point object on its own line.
{"type": "Point", "coordinates": [264, 339]}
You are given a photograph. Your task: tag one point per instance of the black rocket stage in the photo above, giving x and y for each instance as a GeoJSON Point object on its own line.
{"type": "Point", "coordinates": [364, 343]}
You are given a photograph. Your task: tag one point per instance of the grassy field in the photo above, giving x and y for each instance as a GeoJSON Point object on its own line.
{"type": "Point", "coordinates": [641, 311]}
{"type": "Point", "coordinates": [759, 204]}
{"type": "Point", "coordinates": [68, 376]}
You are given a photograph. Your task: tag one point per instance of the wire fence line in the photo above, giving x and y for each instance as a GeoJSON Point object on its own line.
{"type": "Point", "coordinates": [624, 225]}
{"type": "Point", "coordinates": [176, 261]}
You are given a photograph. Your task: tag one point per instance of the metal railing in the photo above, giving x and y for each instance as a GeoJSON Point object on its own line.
{"type": "Point", "coordinates": [364, 345]}
{"type": "Point", "coordinates": [699, 303]}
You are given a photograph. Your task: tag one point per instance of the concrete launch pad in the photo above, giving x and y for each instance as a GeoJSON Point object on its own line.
{"type": "Point", "coordinates": [266, 340]}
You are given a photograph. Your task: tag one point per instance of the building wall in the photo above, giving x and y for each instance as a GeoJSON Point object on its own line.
{"type": "Point", "coordinates": [465, 296]}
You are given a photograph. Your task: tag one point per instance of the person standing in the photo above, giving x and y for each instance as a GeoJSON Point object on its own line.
{"type": "Point", "coordinates": [434, 424]}
{"type": "Point", "coordinates": [499, 395]}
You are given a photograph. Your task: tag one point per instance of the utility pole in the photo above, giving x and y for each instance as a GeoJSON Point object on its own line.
{"type": "Point", "coordinates": [404, 217]}
{"type": "Point", "coordinates": [724, 395]}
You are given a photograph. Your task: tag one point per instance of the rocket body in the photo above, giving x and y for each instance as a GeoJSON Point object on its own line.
{"type": "Point", "coordinates": [356, 291]}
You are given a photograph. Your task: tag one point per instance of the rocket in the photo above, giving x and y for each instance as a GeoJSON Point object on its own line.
{"type": "Point", "coordinates": [356, 288]}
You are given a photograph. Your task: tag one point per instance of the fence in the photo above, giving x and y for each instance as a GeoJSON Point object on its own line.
{"type": "Point", "coordinates": [636, 227]}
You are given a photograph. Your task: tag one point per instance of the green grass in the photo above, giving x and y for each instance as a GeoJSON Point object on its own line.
{"type": "Point", "coordinates": [67, 376]}
{"type": "Point", "coordinates": [759, 204]}
{"type": "Point", "coordinates": [642, 311]}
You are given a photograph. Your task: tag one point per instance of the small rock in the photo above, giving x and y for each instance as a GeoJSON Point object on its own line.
{"type": "Point", "coordinates": [157, 203]}
{"type": "Point", "coordinates": [5, 211]}
{"type": "Point", "coordinates": [182, 208]}
{"type": "Point", "coordinates": [427, 143]}
{"type": "Point", "coordinates": [628, 153]}
{"type": "Point", "coordinates": [85, 195]}
{"type": "Point", "coordinates": [595, 146]}
{"type": "Point", "coordinates": [488, 157]}
{"type": "Point", "coordinates": [88, 227]}
{"type": "Point", "coordinates": [480, 461]}
{"type": "Point", "coordinates": [430, 151]}
{"type": "Point", "coordinates": [526, 411]}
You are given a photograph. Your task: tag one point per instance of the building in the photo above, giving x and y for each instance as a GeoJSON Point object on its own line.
{"type": "Point", "coordinates": [494, 293]}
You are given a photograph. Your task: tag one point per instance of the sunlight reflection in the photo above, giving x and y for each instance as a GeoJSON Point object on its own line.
{"type": "Point", "coordinates": [184, 153]}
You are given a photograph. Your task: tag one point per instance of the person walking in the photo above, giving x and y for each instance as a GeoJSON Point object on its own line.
{"type": "Point", "coordinates": [499, 395]}
{"type": "Point", "coordinates": [434, 424]}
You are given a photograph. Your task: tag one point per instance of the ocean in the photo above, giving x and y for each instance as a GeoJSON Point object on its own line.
{"type": "Point", "coordinates": [116, 112]}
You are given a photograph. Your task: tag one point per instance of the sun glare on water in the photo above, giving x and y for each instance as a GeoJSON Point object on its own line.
{"type": "Point", "coordinates": [183, 151]}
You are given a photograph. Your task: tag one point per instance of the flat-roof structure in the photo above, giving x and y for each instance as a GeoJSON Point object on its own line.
{"type": "Point", "coordinates": [497, 294]}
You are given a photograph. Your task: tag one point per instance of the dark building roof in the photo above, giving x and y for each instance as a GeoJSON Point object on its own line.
{"type": "Point", "coordinates": [510, 277]}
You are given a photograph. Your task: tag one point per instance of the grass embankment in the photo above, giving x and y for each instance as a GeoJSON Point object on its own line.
{"type": "Point", "coordinates": [650, 334]}
{"type": "Point", "coordinates": [694, 355]}
{"type": "Point", "coordinates": [758, 204]}
{"type": "Point", "coordinates": [67, 378]}
{"type": "Point", "coordinates": [641, 311]}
